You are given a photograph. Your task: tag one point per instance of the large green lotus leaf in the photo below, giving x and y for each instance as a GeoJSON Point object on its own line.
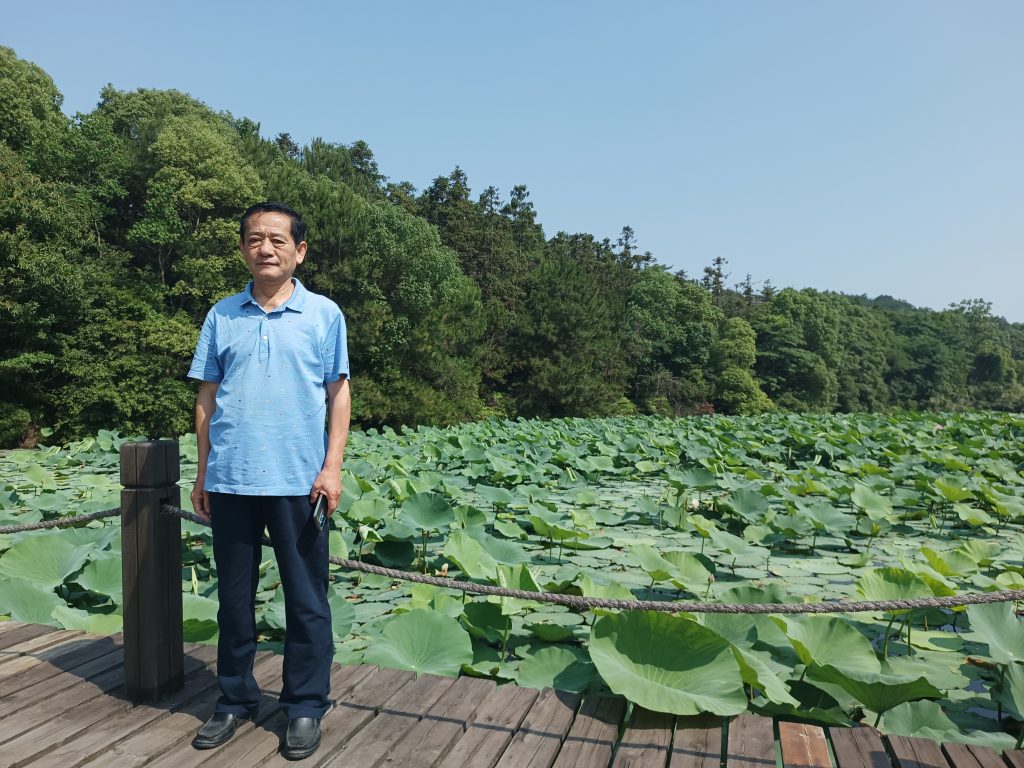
{"type": "Point", "coordinates": [95, 623]}
{"type": "Point", "coordinates": [485, 619]}
{"type": "Point", "coordinates": [28, 601]}
{"type": "Point", "coordinates": [926, 720]}
{"type": "Point", "coordinates": [951, 491]}
{"type": "Point", "coordinates": [749, 504]}
{"type": "Point", "coordinates": [892, 584]}
{"type": "Point", "coordinates": [470, 518]}
{"type": "Point", "coordinates": [826, 517]}
{"type": "Point", "coordinates": [369, 509]}
{"type": "Point", "coordinates": [651, 561]}
{"type": "Point", "coordinates": [1011, 691]}
{"type": "Point", "coordinates": [592, 585]}
{"type": "Point", "coordinates": [997, 625]}
{"type": "Point", "coordinates": [949, 563]}
{"type": "Point", "coordinates": [433, 598]}
{"type": "Point", "coordinates": [1010, 580]}
{"type": "Point", "coordinates": [873, 504]}
{"type": "Point", "coordinates": [497, 496]}
{"type": "Point", "coordinates": [688, 571]}
{"type": "Point", "coordinates": [879, 692]}
{"type": "Point", "coordinates": [667, 663]}
{"type": "Point", "coordinates": [515, 577]}
{"type": "Point", "coordinates": [428, 511]}
{"type": "Point", "coordinates": [557, 668]}
{"type": "Point", "coordinates": [756, 669]}
{"type": "Point", "coordinates": [502, 551]}
{"type": "Point", "coordinates": [40, 477]}
{"type": "Point", "coordinates": [343, 614]}
{"type": "Point", "coordinates": [828, 640]}
{"type": "Point", "coordinates": [103, 575]}
{"type": "Point", "coordinates": [94, 538]}
{"type": "Point", "coordinates": [928, 666]}
{"type": "Point", "coordinates": [697, 478]}
{"type": "Point", "coordinates": [585, 542]}
{"type": "Point", "coordinates": [424, 642]}
{"type": "Point", "coordinates": [510, 529]}
{"type": "Point", "coordinates": [465, 551]}
{"type": "Point", "coordinates": [46, 560]}
{"type": "Point", "coordinates": [983, 553]}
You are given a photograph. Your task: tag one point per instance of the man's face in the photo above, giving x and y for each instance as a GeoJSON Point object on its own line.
{"type": "Point", "coordinates": [268, 248]}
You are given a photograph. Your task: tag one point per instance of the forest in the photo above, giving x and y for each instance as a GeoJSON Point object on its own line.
{"type": "Point", "coordinates": [118, 231]}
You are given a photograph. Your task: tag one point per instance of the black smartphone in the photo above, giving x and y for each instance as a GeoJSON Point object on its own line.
{"type": "Point", "coordinates": [320, 511]}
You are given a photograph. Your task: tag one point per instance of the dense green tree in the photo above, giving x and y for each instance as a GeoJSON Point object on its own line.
{"type": "Point", "coordinates": [731, 369]}
{"type": "Point", "coordinates": [669, 328]}
{"type": "Point", "coordinates": [570, 360]}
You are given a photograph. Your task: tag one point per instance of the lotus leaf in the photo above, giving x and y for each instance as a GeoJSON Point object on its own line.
{"type": "Point", "coordinates": [828, 640]}
{"type": "Point", "coordinates": [88, 621]}
{"type": "Point", "coordinates": [997, 625]}
{"type": "Point", "coordinates": [667, 663]}
{"type": "Point", "coordinates": [926, 720]}
{"type": "Point", "coordinates": [424, 642]}
{"type": "Point", "coordinates": [28, 601]}
{"type": "Point", "coordinates": [555, 667]}
{"type": "Point", "coordinates": [46, 560]}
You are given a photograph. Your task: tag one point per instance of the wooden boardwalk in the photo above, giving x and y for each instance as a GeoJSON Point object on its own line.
{"type": "Point", "coordinates": [62, 705]}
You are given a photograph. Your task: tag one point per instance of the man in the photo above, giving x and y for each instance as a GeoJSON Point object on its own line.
{"type": "Point", "coordinates": [273, 362]}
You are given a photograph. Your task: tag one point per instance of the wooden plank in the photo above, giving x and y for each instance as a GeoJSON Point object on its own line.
{"type": "Point", "coordinates": [77, 659]}
{"type": "Point", "coordinates": [21, 634]}
{"type": "Point", "coordinates": [751, 742]}
{"type": "Point", "coordinates": [181, 754]}
{"type": "Point", "coordinates": [370, 746]}
{"type": "Point", "coordinates": [539, 738]}
{"type": "Point", "coordinates": [112, 719]}
{"type": "Point", "coordinates": [46, 727]}
{"type": "Point", "coordinates": [496, 723]}
{"type": "Point", "coordinates": [647, 740]}
{"type": "Point", "coordinates": [917, 753]}
{"type": "Point", "coordinates": [1014, 758]}
{"type": "Point", "coordinates": [858, 747]}
{"type": "Point", "coordinates": [174, 728]}
{"type": "Point", "coordinates": [265, 739]}
{"type": "Point", "coordinates": [594, 732]}
{"type": "Point", "coordinates": [27, 661]}
{"type": "Point", "coordinates": [431, 738]}
{"type": "Point", "coordinates": [803, 746]}
{"type": "Point", "coordinates": [36, 644]}
{"type": "Point", "coordinates": [971, 756]}
{"type": "Point", "coordinates": [20, 709]}
{"type": "Point", "coordinates": [697, 743]}
{"type": "Point", "coordinates": [352, 711]}
{"type": "Point", "coordinates": [6, 625]}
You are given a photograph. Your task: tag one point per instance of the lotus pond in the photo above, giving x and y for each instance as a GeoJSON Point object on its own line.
{"type": "Point", "coordinates": [769, 509]}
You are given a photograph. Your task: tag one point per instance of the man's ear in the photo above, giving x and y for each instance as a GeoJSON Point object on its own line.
{"type": "Point", "coordinates": [300, 252]}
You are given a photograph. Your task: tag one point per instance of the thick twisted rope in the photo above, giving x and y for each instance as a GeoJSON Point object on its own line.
{"type": "Point", "coordinates": [583, 603]}
{"type": "Point", "coordinates": [60, 522]}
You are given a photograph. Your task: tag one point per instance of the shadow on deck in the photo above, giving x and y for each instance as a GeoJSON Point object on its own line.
{"type": "Point", "coordinates": [62, 704]}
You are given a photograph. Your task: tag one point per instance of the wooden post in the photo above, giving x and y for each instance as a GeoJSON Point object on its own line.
{"type": "Point", "coordinates": [154, 656]}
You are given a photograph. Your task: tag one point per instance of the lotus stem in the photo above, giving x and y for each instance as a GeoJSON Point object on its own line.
{"type": "Point", "coordinates": [885, 641]}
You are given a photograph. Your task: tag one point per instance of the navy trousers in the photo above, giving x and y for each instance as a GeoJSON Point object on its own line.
{"type": "Point", "coordinates": [301, 551]}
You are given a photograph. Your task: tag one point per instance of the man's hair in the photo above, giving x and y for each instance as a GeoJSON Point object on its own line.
{"type": "Point", "coordinates": [298, 225]}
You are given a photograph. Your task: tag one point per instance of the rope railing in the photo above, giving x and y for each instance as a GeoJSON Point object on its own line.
{"type": "Point", "coordinates": [584, 603]}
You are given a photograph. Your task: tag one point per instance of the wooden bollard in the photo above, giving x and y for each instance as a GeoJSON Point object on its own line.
{"type": "Point", "coordinates": [154, 656]}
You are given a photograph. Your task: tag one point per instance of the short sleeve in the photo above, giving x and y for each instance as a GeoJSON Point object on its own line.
{"type": "Point", "coordinates": [334, 350]}
{"type": "Point", "coordinates": [205, 363]}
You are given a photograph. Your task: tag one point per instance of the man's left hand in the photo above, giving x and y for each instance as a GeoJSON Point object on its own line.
{"type": "Point", "coordinates": [327, 483]}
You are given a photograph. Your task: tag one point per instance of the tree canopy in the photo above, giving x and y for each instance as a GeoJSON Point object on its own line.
{"type": "Point", "coordinates": [118, 231]}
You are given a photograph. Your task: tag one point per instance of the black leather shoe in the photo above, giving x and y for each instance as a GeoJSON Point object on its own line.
{"type": "Point", "coordinates": [218, 729]}
{"type": "Point", "coordinates": [302, 738]}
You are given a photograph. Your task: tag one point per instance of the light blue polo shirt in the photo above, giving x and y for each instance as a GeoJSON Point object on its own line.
{"type": "Point", "coordinates": [268, 432]}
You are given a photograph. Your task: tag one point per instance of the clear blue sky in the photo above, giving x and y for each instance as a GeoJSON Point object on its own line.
{"type": "Point", "coordinates": [867, 147]}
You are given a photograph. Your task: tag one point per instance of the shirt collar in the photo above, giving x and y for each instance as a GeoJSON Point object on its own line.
{"type": "Point", "coordinates": [296, 302]}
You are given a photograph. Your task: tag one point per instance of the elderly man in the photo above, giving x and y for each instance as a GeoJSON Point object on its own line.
{"type": "Point", "coordinates": [273, 362]}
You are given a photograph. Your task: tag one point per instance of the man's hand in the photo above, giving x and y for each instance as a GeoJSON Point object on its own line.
{"type": "Point", "coordinates": [201, 501]}
{"type": "Point", "coordinates": [328, 483]}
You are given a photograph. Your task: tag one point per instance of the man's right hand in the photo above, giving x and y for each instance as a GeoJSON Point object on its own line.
{"type": "Point", "coordinates": [201, 500]}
